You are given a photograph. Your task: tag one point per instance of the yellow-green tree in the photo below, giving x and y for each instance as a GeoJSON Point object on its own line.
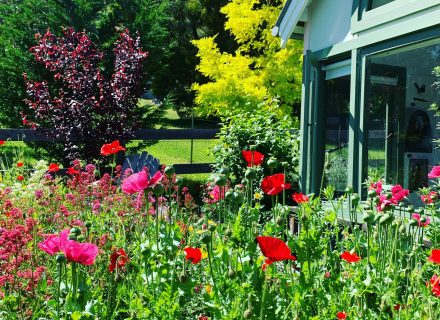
{"type": "Point", "coordinates": [258, 74]}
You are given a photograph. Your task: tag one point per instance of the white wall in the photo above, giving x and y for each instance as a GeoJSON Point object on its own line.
{"type": "Point", "coordinates": [328, 23]}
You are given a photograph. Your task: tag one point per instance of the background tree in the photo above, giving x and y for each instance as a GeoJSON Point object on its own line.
{"type": "Point", "coordinates": [86, 109]}
{"type": "Point", "coordinates": [258, 74]}
{"type": "Point", "coordinates": [166, 29]}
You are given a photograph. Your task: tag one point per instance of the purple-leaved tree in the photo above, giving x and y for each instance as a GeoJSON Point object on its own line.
{"type": "Point", "coordinates": [85, 108]}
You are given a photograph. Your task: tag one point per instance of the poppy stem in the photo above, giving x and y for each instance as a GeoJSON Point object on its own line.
{"type": "Point", "coordinates": [216, 295]}
{"type": "Point", "coordinates": [263, 299]}
{"type": "Point", "coordinates": [60, 268]}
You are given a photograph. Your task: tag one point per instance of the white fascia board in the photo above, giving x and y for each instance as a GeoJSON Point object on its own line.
{"type": "Point", "coordinates": [290, 20]}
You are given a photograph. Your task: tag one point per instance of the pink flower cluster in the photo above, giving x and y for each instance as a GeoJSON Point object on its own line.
{"type": "Point", "coordinates": [387, 200]}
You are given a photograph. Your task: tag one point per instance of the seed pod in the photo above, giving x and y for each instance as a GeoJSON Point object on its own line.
{"type": "Point", "coordinates": [247, 314]}
{"type": "Point", "coordinates": [61, 258]}
{"type": "Point", "coordinates": [229, 195]}
{"type": "Point", "coordinates": [368, 217]}
{"type": "Point", "coordinates": [206, 239]}
{"type": "Point", "coordinates": [250, 174]}
{"type": "Point", "coordinates": [220, 181]}
{"type": "Point", "coordinates": [88, 224]}
{"type": "Point", "coordinates": [225, 171]}
{"type": "Point", "coordinates": [169, 170]}
{"type": "Point", "coordinates": [279, 221]}
{"type": "Point", "coordinates": [272, 163]}
{"type": "Point", "coordinates": [75, 230]}
{"type": "Point", "coordinates": [212, 227]}
{"type": "Point", "coordinates": [387, 218]}
{"type": "Point", "coordinates": [81, 238]}
{"type": "Point", "coordinates": [158, 189]}
{"type": "Point", "coordinates": [238, 197]}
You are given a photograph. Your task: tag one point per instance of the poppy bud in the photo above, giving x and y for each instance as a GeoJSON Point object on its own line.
{"type": "Point", "coordinates": [225, 171]}
{"type": "Point", "coordinates": [75, 231]}
{"type": "Point", "coordinates": [61, 258]}
{"type": "Point", "coordinates": [158, 189]}
{"type": "Point", "coordinates": [372, 193]}
{"type": "Point", "coordinates": [80, 238]}
{"type": "Point", "coordinates": [279, 221]}
{"type": "Point", "coordinates": [402, 229]}
{"type": "Point", "coordinates": [238, 197]}
{"type": "Point", "coordinates": [179, 181]}
{"type": "Point", "coordinates": [169, 171]}
{"type": "Point", "coordinates": [145, 252]}
{"type": "Point", "coordinates": [368, 217]}
{"type": "Point", "coordinates": [386, 218]}
{"type": "Point", "coordinates": [220, 181]}
{"type": "Point", "coordinates": [413, 223]}
{"type": "Point", "coordinates": [349, 190]}
{"type": "Point", "coordinates": [206, 239]}
{"type": "Point", "coordinates": [247, 314]}
{"type": "Point", "coordinates": [355, 199]}
{"type": "Point", "coordinates": [183, 277]}
{"type": "Point", "coordinates": [272, 163]}
{"type": "Point", "coordinates": [118, 277]}
{"type": "Point", "coordinates": [88, 224]}
{"type": "Point", "coordinates": [375, 235]}
{"type": "Point", "coordinates": [229, 195]}
{"type": "Point", "coordinates": [71, 236]}
{"type": "Point", "coordinates": [212, 227]}
{"type": "Point", "coordinates": [250, 174]}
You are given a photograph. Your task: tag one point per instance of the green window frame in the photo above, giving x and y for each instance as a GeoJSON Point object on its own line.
{"type": "Point", "coordinates": [365, 18]}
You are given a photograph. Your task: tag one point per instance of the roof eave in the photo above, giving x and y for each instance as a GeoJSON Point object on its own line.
{"type": "Point", "coordinates": [288, 19]}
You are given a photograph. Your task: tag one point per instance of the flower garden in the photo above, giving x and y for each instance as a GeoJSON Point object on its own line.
{"type": "Point", "coordinates": [134, 245]}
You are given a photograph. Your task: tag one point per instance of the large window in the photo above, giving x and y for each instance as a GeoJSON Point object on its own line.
{"type": "Point", "coordinates": [400, 125]}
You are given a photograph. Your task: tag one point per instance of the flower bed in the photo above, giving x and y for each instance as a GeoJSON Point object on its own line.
{"type": "Point", "coordinates": [135, 246]}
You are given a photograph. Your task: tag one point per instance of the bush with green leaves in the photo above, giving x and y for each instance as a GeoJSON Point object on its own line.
{"type": "Point", "coordinates": [264, 132]}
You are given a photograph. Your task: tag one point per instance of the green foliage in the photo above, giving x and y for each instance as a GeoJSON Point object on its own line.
{"type": "Point", "coordinates": [271, 135]}
{"type": "Point", "coordinates": [257, 73]}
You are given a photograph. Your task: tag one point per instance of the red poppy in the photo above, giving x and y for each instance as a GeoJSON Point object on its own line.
{"type": "Point", "coordinates": [20, 164]}
{"type": "Point", "coordinates": [435, 256]}
{"type": "Point", "coordinates": [350, 257]}
{"type": "Point", "coordinates": [72, 171]}
{"type": "Point", "coordinates": [54, 167]}
{"type": "Point", "coordinates": [203, 317]}
{"type": "Point", "coordinates": [111, 148]}
{"type": "Point", "coordinates": [274, 249]}
{"type": "Point", "coordinates": [253, 158]}
{"type": "Point", "coordinates": [118, 259]}
{"type": "Point", "coordinates": [20, 178]}
{"type": "Point", "coordinates": [434, 285]}
{"type": "Point", "coordinates": [273, 185]}
{"type": "Point", "coordinates": [193, 254]}
{"type": "Point", "coordinates": [341, 315]}
{"type": "Point", "coordinates": [2, 142]}
{"type": "Point", "coordinates": [300, 198]}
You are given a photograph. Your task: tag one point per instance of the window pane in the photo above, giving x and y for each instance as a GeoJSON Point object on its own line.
{"type": "Point", "coordinates": [377, 3]}
{"type": "Point", "coordinates": [337, 110]}
{"type": "Point", "coordinates": [401, 128]}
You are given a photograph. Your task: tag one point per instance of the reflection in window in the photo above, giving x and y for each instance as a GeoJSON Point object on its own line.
{"type": "Point", "coordinates": [337, 110]}
{"type": "Point", "coordinates": [378, 3]}
{"type": "Point", "coordinates": [400, 125]}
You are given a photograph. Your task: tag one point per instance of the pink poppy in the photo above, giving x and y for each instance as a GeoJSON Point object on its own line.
{"type": "Point", "coordinates": [398, 193]}
{"type": "Point", "coordinates": [139, 181]}
{"type": "Point", "coordinates": [417, 217]}
{"type": "Point", "coordinates": [435, 172]}
{"type": "Point", "coordinates": [83, 253]}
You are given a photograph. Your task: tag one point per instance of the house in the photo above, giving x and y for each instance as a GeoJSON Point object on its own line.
{"type": "Point", "coordinates": [369, 80]}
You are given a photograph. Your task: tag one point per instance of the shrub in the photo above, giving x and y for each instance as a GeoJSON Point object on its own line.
{"type": "Point", "coordinates": [274, 137]}
{"type": "Point", "coordinates": [86, 105]}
